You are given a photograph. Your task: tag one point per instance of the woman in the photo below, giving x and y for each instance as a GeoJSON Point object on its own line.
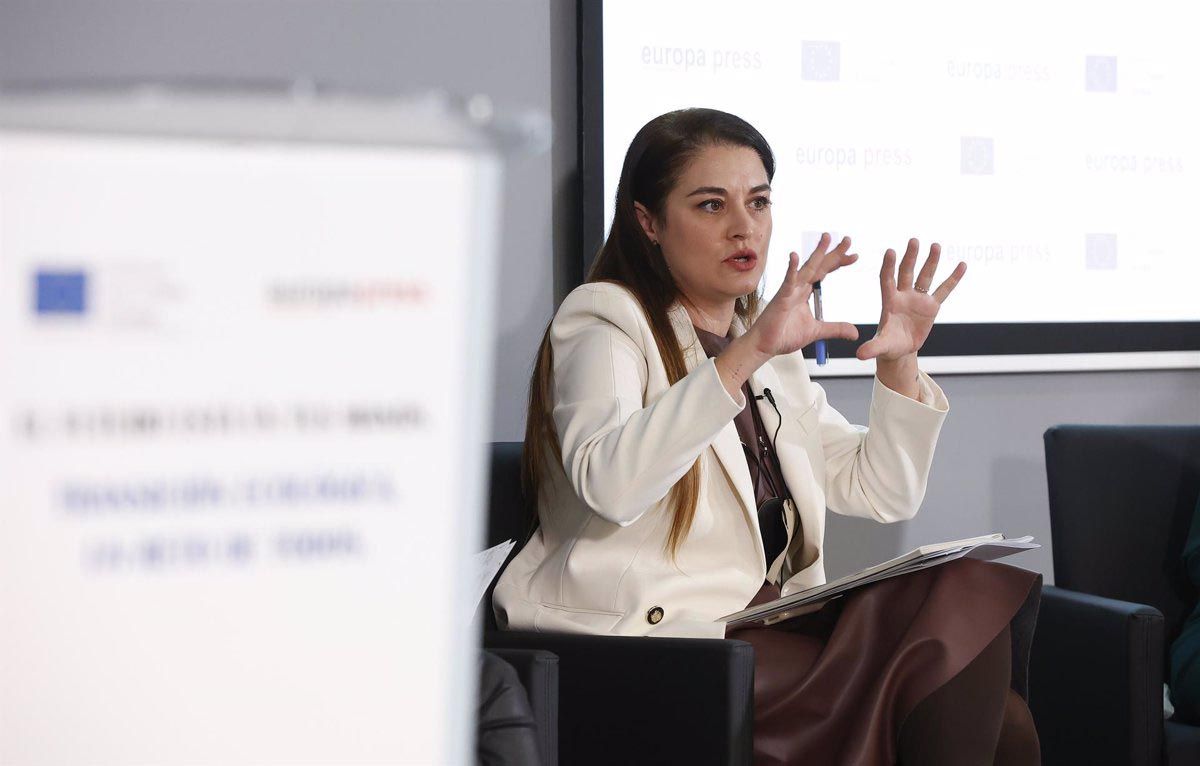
{"type": "Point", "coordinates": [669, 416]}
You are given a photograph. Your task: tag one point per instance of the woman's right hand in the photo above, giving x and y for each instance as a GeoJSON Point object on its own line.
{"type": "Point", "coordinates": [787, 323]}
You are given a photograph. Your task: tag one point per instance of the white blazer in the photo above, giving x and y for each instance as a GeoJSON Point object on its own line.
{"type": "Point", "coordinates": [599, 561]}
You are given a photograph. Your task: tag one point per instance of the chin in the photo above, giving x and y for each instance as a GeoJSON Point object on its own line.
{"type": "Point", "coordinates": [748, 285]}
{"type": "Point", "coordinates": [733, 292]}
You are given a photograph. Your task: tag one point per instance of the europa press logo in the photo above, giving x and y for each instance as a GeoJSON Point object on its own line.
{"type": "Point", "coordinates": [60, 292]}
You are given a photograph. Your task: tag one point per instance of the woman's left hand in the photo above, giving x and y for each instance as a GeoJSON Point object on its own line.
{"type": "Point", "coordinates": [909, 308]}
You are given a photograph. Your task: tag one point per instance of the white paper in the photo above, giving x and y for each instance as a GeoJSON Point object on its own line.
{"type": "Point", "coordinates": [487, 564]}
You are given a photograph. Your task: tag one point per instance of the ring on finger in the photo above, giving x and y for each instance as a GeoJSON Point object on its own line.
{"type": "Point", "coordinates": [920, 289]}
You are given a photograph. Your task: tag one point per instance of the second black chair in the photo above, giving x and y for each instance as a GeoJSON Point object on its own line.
{"type": "Point", "coordinates": [1121, 502]}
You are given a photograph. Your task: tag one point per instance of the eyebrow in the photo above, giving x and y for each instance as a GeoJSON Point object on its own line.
{"type": "Point", "coordinates": [723, 192]}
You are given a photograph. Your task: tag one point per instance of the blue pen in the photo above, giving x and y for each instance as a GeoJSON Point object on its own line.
{"type": "Point", "coordinates": [819, 315]}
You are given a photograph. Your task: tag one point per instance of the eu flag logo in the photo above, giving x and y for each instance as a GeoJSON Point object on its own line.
{"type": "Point", "coordinates": [1101, 74]}
{"type": "Point", "coordinates": [820, 60]}
{"type": "Point", "coordinates": [978, 156]}
{"type": "Point", "coordinates": [1100, 251]}
{"type": "Point", "coordinates": [60, 292]}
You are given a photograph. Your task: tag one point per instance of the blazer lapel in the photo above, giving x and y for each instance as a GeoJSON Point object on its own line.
{"type": "Point", "coordinates": [727, 446]}
{"type": "Point", "coordinates": [807, 529]}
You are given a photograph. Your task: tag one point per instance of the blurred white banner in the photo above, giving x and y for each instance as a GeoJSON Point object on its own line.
{"type": "Point", "coordinates": [241, 417]}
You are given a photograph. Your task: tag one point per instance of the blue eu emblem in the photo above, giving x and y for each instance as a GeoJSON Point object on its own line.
{"type": "Point", "coordinates": [60, 292]}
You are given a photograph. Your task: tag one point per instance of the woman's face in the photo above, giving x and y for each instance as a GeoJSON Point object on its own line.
{"type": "Point", "coordinates": [716, 225]}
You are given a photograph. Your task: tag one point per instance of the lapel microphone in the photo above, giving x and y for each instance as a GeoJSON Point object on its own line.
{"type": "Point", "coordinates": [766, 394]}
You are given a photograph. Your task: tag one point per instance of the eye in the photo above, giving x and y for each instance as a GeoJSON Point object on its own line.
{"type": "Point", "coordinates": [760, 203]}
{"type": "Point", "coordinates": [705, 205]}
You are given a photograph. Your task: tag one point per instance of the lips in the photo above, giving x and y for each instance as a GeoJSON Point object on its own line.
{"type": "Point", "coordinates": [743, 260]}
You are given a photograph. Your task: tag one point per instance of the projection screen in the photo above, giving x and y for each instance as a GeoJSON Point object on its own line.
{"type": "Point", "coordinates": [1051, 147]}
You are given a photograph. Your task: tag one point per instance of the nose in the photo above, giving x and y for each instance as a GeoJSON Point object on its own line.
{"type": "Point", "coordinates": [741, 225]}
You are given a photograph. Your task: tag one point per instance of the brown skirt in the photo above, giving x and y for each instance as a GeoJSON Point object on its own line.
{"type": "Point", "coordinates": [834, 686]}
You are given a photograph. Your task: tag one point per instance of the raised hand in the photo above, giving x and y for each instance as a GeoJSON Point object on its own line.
{"type": "Point", "coordinates": [787, 323]}
{"type": "Point", "coordinates": [909, 307]}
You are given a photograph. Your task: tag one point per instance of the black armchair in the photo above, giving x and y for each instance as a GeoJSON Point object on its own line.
{"type": "Point", "coordinates": [623, 699]}
{"type": "Point", "coordinates": [1121, 501]}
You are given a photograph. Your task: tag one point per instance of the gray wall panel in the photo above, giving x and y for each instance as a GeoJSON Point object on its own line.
{"type": "Point", "coordinates": [989, 474]}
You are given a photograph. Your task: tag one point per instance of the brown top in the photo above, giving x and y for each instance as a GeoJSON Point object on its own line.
{"type": "Point", "coordinates": [765, 476]}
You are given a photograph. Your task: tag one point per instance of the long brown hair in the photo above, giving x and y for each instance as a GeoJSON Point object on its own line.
{"type": "Point", "coordinates": [653, 164]}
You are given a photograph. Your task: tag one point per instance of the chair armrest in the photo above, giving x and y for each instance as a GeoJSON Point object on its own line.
{"type": "Point", "coordinates": [1096, 676]}
{"type": "Point", "coordinates": [538, 671]}
{"type": "Point", "coordinates": [632, 700]}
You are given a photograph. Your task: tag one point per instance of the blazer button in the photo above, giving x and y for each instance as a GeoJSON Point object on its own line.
{"type": "Point", "coordinates": [655, 615]}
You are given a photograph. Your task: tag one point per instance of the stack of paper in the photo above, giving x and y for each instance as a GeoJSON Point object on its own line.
{"type": "Point", "coordinates": [986, 548]}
